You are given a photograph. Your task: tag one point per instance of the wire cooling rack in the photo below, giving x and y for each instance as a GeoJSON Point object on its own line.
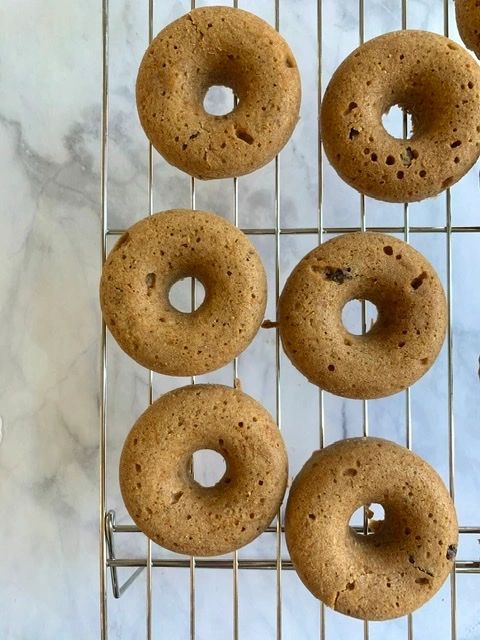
{"type": "Point", "coordinates": [110, 532]}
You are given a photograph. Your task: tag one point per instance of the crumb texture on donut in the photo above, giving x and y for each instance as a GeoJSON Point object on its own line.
{"type": "Point", "coordinates": [404, 561]}
{"type": "Point", "coordinates": [160, 492]}
{"type": "Point", "coordinates": [157, 252]}
{"type": "Point", "coordinates": [468, 22]}
{"type": "Point", "coordinates": [429, 76]}
{"type": "Point", "coordinates": [404, 341]}
{"type": "Point", "coordinates": [218, 46]}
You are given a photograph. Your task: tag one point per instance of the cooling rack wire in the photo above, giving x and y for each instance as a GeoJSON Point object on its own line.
{"type": "Point", "coordinates": [108, 528]}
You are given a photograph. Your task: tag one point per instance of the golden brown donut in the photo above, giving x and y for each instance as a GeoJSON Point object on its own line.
{"type": "Point", "coordinates": [218, 46]}
{"type": "Point", "coordinates": [159, 491]}
{"type": "Point", "coordinates": [410, 553]}
{"type": "Point", "coordinates": [430, 77]}
{"type": "Point", "coordinates": [404, 341]}
{"type": "Point", "coordinates": [468, 22]}
{"type": "Point", "coordinates": [157, 252]}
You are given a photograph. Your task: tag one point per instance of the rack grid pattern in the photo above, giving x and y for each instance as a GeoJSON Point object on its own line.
{"type": "Point", "coordinates": [108, 528]}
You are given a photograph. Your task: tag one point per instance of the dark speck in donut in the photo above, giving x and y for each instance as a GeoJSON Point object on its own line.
{"type": "Point", "coordinates": [353, 133]}
{"type": "Point", "coordinates": [418, 281]}
{"type": "Point", "coordinates": [150, 279]}
{"type": "Point", "coordinates": [244, 135]}
{"type": "Point", "coordinates": [388, 250]}
{"type": "Point", "coordinates": [351, 107]}
{"type": "Point", "coordinates": [408, 155]}
{"type": "Point", "coordinates": [176, 497]}
{"type": "Point", "coordinates": [335, 274]}
{"type": "Point", "coordinates": [451, 552]}
{"type": "Point", "coordinates": [390, 160]}
{"type": "Point", "coordinates": [447, 182]}
{"type": "Point", "coordinates": [455, 144]}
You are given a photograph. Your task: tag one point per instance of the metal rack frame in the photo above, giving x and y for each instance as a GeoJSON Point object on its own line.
{"type": "Point", "coordinates": [108, 529]}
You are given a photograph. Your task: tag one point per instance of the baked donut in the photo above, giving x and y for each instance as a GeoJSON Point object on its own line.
{"type": "Point", "coordinates": [468, 22]}
{"type": "Point", "coordinates": [157, 252]}
{"type": "Point", "coordinates": [159, 491]}
{"type": "Point", "coordinates": [409, 554]}
{"type": "Point", "coordinates": [404, 341]}
{"type": "Point", "coordinates": [218, 46]}
{"type": "Point", "coordinates": [430, 77]}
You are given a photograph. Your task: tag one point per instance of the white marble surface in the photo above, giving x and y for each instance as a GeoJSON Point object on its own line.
{"type": "Point", "coordinates": [50, 82]}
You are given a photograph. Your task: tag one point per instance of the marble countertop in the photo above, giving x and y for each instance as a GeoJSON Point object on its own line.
{"type": "Point", "coordinates": [50, 114]}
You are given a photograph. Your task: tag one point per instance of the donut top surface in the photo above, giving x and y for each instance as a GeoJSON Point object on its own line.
{"type": "Point", "coordinates": [410, 553]}
{"type": "Point", "coordinates": [468, 22]}
{"type": "Point", "coordinates": [404, 341]}
{"type": "Point", "coordinates": [163, 497]}
{"type": "Point", "coordinates": [429, 76]}
{"type": "Point", "coordinates": [158, 251]}
{"type": "Point", "coordinates": [218, 46]}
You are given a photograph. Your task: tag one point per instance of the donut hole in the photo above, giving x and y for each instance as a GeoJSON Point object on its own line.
{"type": "Point", "coordinates": [393, 119]}
{"type": "Point", "coordinates": [186, 295]}
{"type": "Point", "coordinates": [209, 467]}
{"type": "Point", "coordinates": [352, 316]}
{"type": "Point", "coordinates": [367, 519]}
{"type": "Point", "coordinates": [219, 100]}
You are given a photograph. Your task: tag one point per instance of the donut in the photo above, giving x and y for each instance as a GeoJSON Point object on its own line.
{"type": "Point", "coordinates": [467, 13]}
{"type": "Point", "coordinates": [408, 555]}
{"type": "Point", "coordinates": [218, 46]}
{"type": "Point", "coordinates": [406, 337]}
{"type": "Point", "coordinates": [157, 252]}
{"type": "Point", "coordinates": [428, 76]}
{"type": "Point", "coordinates": [159, 491]}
